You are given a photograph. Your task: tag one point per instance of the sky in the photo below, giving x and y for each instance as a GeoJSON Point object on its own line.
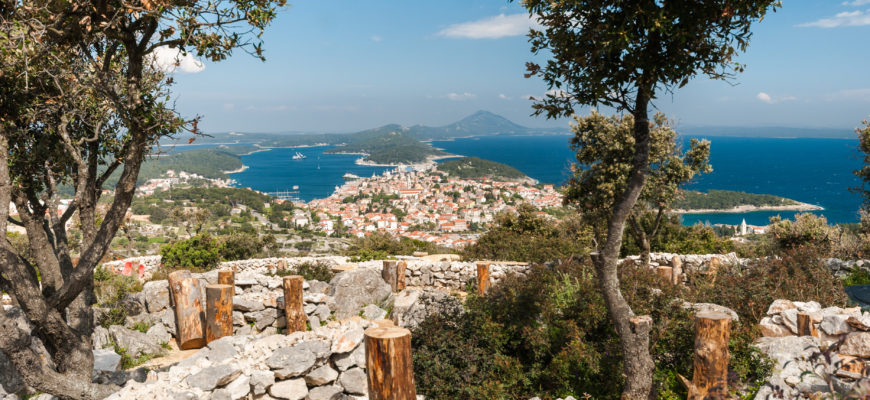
{"type": "Point", "coordinates": [349, 65]}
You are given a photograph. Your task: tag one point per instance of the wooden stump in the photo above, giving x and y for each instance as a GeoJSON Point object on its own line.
{"type": "Point", "coordinates": [282, 265]}
{"type": "Point", "coordinates": [227, 277]}
{"type": "Point", "coordinates": [677, 266]}
{"type": "Point", "coordinates": [483, 283]}
{"type": "Point", "coordinates": [666, 272]}
{"type": "Point", "coordinates": [293, 310]}
{"type": "Point", "coordinates": [381, 323]}
{"type": "Point", "coordinates": [188, 313]}
{"type": "Point", "coordinates": [173, 278]}
{"type": "Point", "coordinates": [389, 369]}
{"type": "Point", "coordinates": [805, 325]}
{"type": "Point", "coordinates": [710, 379]}
{"type": "Point", "coordinates": [390, 273]}
{"type": "Point", "coordinates": [218, 312]}
{"type": "Point", "coordinates": [401, 267]}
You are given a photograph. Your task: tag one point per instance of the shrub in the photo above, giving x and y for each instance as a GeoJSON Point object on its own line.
{"type": "Point", "coordinates": [674, 237]}
{"type": "Point", "coordinates": [199, 254]}
{"type": "Point", "coordinates": [379, 246]}
{"type": "Point", "coordinates": [311, 271]}
{"type": "Point", "coordinates": [806, 230]}
{"type": "Point", "coordinates": [549, 335]}
{"type": "Point", "coordinates": [111, 289]}
{"type": "Point", "coordinates": [239, 246]}
{"type": "Point", "coordinates": [857, 276]}
{"type": "Point", "coordinates": [525, 236]}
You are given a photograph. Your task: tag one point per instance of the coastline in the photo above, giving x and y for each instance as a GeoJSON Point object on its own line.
{"type": "Point", "coordinates": [424, 165]}
{"type": "Point", "coordinates": [747, 208]}
{"type": "Point", "coordinates": [235, 171]}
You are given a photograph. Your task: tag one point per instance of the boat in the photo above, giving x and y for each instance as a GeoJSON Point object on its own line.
{"type": "Point", "coordinates": [299, 156]}
{"type": "Point", "coordinates": [350, 177]}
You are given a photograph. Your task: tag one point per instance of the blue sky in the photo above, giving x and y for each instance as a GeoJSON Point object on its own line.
{"type": "Point", "coordinates": [348, 65]}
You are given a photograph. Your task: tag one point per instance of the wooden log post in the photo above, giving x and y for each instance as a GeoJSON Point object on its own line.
{"type": "Point", "coordinates": [710, 379]}
{"type": "Point", "coordinates": [389, 369]}
{"type": "Point", "coordinates": [293, 310]}
{"type": "Point", "coordinates": [218, 312]}
{"type": "Point", "coordinates": [188, 313]}
{"type": "Point", "coordinates": [173, 278]}
{"type": "Point", "coordinates": [401, 267]}
{"type": "Point", "coordinates": [390, 273]}
{"type": "Point", "coordinates": [677, 267]}
{"type": "Point", "coordinates": [227, 277]}
{"type": "Point", "coordinates": [805, 325]}
{"type": "Point", "coordinates": [666, 272]}
{"type": "Point", "coordinates": [483, 281]}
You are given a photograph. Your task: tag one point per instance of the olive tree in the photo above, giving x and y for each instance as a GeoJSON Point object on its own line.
{"type": "Point", "coordinates": [623, 54]}
{"type": "Point", "coordinates": [596, 185]}
{"type": "Point", "coordinates": [81, 99]}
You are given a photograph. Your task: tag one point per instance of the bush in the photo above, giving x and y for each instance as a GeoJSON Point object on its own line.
{"type": "Point", "coordinates": [199, 254]}
{"type": "Point", "coordinates": [379, 246]}
{"type": "Point", "coordinates": [240, 246]}
{"type": "Point", "coordinates": [311, 271]}
{"type": "Point", "coordinates": [674, 237]}
{"type": "Point", "coordinates": [525, 236]}
{"type": "Point", "coordinates": [111, 289]}
{"type": "Point", "coordinates": [807, 230]}
{"type": "Point", "coordinates": [857, 276]}
{"type": "Point", "coordinates": [549, 335]}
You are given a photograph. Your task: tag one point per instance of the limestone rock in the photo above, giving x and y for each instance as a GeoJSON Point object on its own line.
{"type": "Point", "coordinates": [779, 306]}
{"type": "Point", "coordinates": [292, 389]}
{"type": "Point", "coordinates": [354, 289]}
{"type": "Point", "coordinates": [261, 381]}
{"type": "Point", "coordinates": [325, 393]}
{"type": "Point", "coordinates": [213, 377]}
{"type": "Point", "coordinates": [789, 319]}
{"type": "Point", "coordinates": [769, 328]}
{"type": "Point", "coordinates": [372, 312]}
{"type": "Point", "coordinates": [321, 376]}
{"type": "Point", "coordinates": [242, 304]}
{"type": "Point", "coordinates": [291, 362]}
{"type": "Point", "coordinates": [262, 318]}
{"type": "Point", "coordinates": [856, 344]}
{"type": "Point", "coordinates": [354, 381]}
{"type": "Point", "coordinates": [135, 343]}
{"type": "Point", "coordinates": [159, 334]}
{"type": "Point", "coordinates": [156, 295]}
{"type": "Point", "coordinates": [239, 388]}
{"type": "Point", "coordinates": [835, 324]}
{"type": "Point", "coordinates": [100, 339]}
{"type": "Point", "coordinates": [356, 358]}
{"type": "Point", "coordinates": [106, 360]}
{"type": "Point", "coordinates": [348, 341]}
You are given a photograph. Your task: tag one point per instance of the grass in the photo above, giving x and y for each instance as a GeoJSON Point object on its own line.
{"type": "Point", "coordinates": [128, 361]}
{"type": "Point", "coordinates": [858, 276]}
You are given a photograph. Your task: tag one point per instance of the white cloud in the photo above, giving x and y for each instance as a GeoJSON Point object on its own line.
{"type": "Point", "coordinates": [771, 100]}
{"type": "Point", "coordinates": [460, 96]}
{"type": "Point", "coordinates": [848, 18]}
{"type": "Point", "coordinates": [229, 106]}
{"type": "Point", "coordinates": [491, 28]}
{"type": "Point", "coordinates": [856, 3]}
{"type": "Point", "coordinates": [503, 96]}
{"type": "Point", "coordinates": [171, 60]}
{"type": "Point", "coordinates": [376, 38]}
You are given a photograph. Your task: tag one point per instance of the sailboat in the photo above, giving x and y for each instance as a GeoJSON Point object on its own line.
{"type": "Point", "coordinates": [299, 156]}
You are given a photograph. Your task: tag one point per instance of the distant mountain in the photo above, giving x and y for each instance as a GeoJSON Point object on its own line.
{"type": "Point", "coordinates": [481, 123]}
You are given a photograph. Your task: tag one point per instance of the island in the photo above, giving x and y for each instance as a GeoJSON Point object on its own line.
{"type": "Point", "coordinates": [389, 145]}
{"type": "Point", "coordinates": [478, 168]}
{"type": "Point", "coordinates": [727, 201]}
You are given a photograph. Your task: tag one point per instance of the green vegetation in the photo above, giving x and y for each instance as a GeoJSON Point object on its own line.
{"type": "Point", "coordinates": [311, 271]}
{"type": "Point", "coordinates": [528, 237]}
{"type": "Point", "coordinates": [204, 252]}
{"type": "Point", "coordinates": [110, 290]}
{"type": "Point", "coordinates": [549, 335]}
{"type": "Point", "coordinates": [392, 146]}
{"type": "Point", "coordinates": [382, 246]}
{"type": "Point", "coordinates": [473, 167]}
{"type": "Point", "coordinates": [725, 199]}
{"type": "Point", "coordinates": [857, 276]}
{"type": "Point", "coordinates": [209, 163]}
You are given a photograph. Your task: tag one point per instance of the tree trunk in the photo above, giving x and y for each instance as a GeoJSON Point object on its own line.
{"type": "Point", "coordinates": [482, 278]}
{"type": "Point", "coordinates": [633, 330]}
{"type": "Point", "coordinates": [218, 312]}
{"type": "Point", "coordinates": [188, 313]}
{"type": "Point", "coordinates": [294, 313]}
{"type": "Point", "coordinates": [390, 274]}
{"type": "Point", "coordinates": [389, 368]}
{"type": "Point", "coordinates": [667, 273]}
{"type": "Point", "coordinates": [710, 370]}
{"type": "Point", "coordinates": [644, 251]}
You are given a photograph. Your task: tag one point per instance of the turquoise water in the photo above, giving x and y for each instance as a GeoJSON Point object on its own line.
{"type": "Point", "coordinates": [815, 171]}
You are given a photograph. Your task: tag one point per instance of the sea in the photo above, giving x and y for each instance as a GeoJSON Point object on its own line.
{"type": "Point", "coordinates": [815, 171]}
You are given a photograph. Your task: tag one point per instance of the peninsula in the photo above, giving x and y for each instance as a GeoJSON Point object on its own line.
{"type": "Point", "coordinates": [727, 201]}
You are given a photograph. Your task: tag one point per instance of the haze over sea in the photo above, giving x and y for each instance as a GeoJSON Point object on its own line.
{"type": "Point", "coordinates": [815, 171]}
